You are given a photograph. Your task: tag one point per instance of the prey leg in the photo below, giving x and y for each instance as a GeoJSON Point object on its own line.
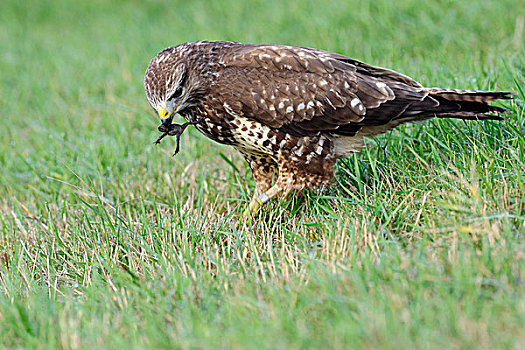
{"type": "Point", "coordinates": [157, 141]}
{"type": "Point", "coordinates": [178, 132]}
{"type": "Point", "coordinates": [257, 202]}
{"type": "Point", "coordinates": [174, 130]}
{"type": "Point", "coordinates": [177, 136]}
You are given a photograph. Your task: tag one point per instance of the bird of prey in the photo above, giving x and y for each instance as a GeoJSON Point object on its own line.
{"type": "Point", "coordinates": [293, 111]}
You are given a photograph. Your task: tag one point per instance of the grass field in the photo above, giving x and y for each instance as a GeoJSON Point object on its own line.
{"type": "Point", "coordinates": [108, 241]}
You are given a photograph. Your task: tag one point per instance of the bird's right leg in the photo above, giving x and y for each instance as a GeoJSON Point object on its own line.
{"type": "Point", "coordinates": [264, 171]}
{"type": "Point", "coordinates": [258, 201]}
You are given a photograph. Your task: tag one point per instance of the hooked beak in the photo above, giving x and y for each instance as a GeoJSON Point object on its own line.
{"type": "Point", "coordinates": [165, 116]}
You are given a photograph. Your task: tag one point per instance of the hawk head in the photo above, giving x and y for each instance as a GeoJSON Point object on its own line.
{"type": "Point", "coordinates": [173, 81]}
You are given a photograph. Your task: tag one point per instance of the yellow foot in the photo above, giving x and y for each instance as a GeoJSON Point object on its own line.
{"type": "Point", "coordinates": [257, 202]}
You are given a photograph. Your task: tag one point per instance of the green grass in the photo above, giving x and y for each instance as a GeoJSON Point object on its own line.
{"type": "Point", "coordinates": [108, 241]}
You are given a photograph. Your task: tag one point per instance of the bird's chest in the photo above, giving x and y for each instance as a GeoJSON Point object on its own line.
{"type": "Point", "coordinates": [253, 137]}
{"type": "Point", "coordinates": [246, 134]}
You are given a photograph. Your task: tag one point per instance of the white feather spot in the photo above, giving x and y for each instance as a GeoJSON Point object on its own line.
{"type": "Point", "coordinates": [355, 102]}
{"type": "Point", "coordinates": [300, 106]}
{"type": "Point", "coordinates": [289, 109]}
{"type": "Point", "coordinates": [281, 105]}
{"type": "Point", "coordinates": [381, 85]}
{"type": "Point", "coordinates": [309, 157]}
{"type": "Point", "coordinates": [228, 109]}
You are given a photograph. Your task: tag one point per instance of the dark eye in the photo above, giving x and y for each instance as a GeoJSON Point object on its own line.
{"type": "Point", "coordinates": [176, 94]}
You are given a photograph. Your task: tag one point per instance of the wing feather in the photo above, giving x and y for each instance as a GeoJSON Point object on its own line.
{"type": "Point", "coordinates": [309, 90]}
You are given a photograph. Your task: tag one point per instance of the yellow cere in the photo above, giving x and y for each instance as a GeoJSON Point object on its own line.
{"type": "Point", "coordinates": [163, 113]}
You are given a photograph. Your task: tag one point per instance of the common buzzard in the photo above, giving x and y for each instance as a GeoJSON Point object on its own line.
{"type": "Point", "coordinates": [293, 111]}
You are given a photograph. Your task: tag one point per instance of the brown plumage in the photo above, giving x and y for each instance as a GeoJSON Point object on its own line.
{"type": "Point", "coordinates": [292, 111]}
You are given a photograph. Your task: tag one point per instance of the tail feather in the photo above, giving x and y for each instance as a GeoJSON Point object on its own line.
{"type": "Point", "coordinates": [469, 116]}
{"type": "Point", "coordinates": [434, 102]}
{"type": "Point", "coordinates": [470, 95]}
{"type": "Point", "coordinates": [461, 104]}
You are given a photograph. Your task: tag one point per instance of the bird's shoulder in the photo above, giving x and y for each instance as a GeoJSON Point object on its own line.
{"type": "Point", "coordinates": [282, 58]}
{"type": "Point", "coordinates": [301, 59]}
